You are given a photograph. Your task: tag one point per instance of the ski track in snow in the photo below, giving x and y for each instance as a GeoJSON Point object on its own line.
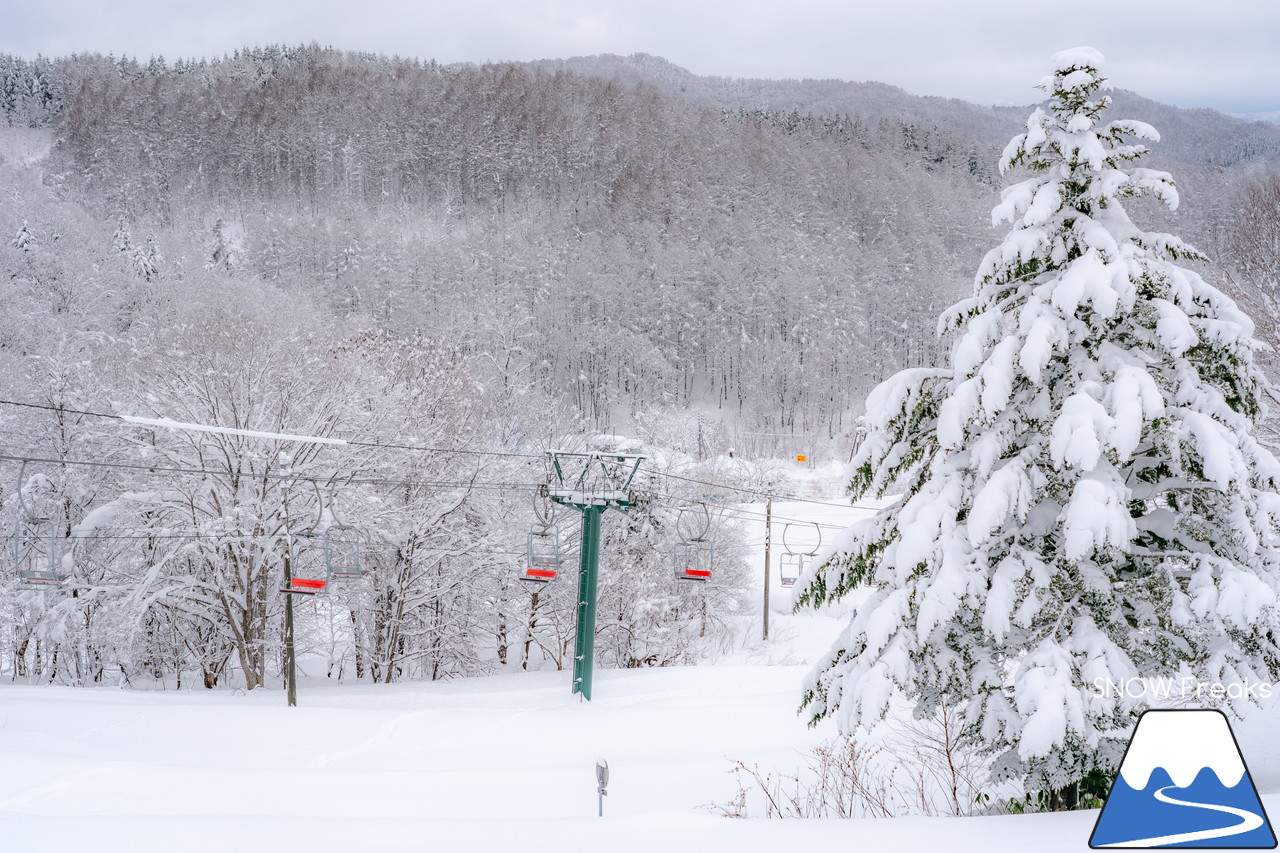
{"type": "Point", "coordinates": [385, 734]}
{"type": "Point", "coordinates": [33, 795]}
{"type": "Point", "coordinates": [1248, 822]}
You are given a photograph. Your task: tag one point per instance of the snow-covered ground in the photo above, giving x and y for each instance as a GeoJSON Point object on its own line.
{"type": "Point", "coordinates": [502, 763]}
{"type": "Point", "coordinates": [488, 764]}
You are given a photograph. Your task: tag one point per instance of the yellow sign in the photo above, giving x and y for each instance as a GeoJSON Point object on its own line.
{"type": "Point", "coordinates": [800, 457]}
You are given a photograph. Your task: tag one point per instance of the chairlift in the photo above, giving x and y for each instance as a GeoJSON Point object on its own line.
{"type": "Point", "coordinates": [306, 576]}
{"type": "Point", "coordinates": [694, 553]}
{"type": "Point", "coordinates": [343, 547]}
{"type": "Point", "coordinates": [318, 558]}
{"type": "Point", "coordinates": [543, 556]}
{"type": "Point", "coordinates": [35, 547]}
{"type": "Point", "coordinates": [36, 553]}
{"type": "Point", "coordinates": [791, 567]}
{"type": "Point", "coordinates": [693, 560]}
{"type": "Point", "coordinates": [792, 563]}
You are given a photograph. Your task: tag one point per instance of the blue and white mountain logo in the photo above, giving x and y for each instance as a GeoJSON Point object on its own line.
{"type": "Point", "coordinates": [1183, 783]}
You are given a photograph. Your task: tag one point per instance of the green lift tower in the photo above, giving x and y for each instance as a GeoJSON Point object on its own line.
{"type": "Point", "coordinates": [590, 483]}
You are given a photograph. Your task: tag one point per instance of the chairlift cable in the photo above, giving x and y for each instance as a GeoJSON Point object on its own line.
{"type": "Point", "coordinates": [742, 513]}
{"type": "Point", "coordinates": [672, 500]}
{"type": "Point", "coordinates": [466, 451]}
{"type": "Point", "coordinates": [157, 469]}
{"type": "Point", "coordinates": [758, 492]}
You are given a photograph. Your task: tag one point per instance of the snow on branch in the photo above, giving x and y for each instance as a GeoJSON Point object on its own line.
{"type": "Point", "coordinates": [166, 423]}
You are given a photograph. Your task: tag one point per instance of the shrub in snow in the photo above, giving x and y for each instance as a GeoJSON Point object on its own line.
{"type": "Point", "coordinates": [1082, 497]}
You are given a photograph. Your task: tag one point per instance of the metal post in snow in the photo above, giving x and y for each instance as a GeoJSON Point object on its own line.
{"type": "Point", "coordinates": [768, 539]}
{"type": "Point", "coordinates": [584, 651]}
{"type": "Point", "coordinates": [602, 784]}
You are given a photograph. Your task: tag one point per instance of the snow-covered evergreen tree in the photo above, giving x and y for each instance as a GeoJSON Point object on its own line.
{"type": "Point", "coordinates": [146, 260]}
{"type": "Point", "coordinates": [23, 239]}
{"type": "Point", "coordinates": [122, 240]}
{"type": "Point", "coordinates": [225, 252]}
{"type": "Point", "coordinates": [1081, 493]}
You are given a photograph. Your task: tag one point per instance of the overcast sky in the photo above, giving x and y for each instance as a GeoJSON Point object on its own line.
{"type": "Point", "coordinates": [1223, 54]}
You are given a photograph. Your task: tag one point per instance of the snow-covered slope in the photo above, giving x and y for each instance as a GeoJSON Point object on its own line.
{"type": "Point", "coordinates": [486, 764]}
{"type": "Point", "coordinates": [502, 763]}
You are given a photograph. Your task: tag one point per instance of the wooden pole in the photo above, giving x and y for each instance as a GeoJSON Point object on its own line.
{"type": "Point", "coordinates": [290, 661]}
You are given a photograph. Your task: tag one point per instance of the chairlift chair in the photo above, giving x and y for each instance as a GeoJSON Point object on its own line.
{"type": "Point", "coordinates": [305, 586]}
{"type": "Point", "coordinates": [693, 560]}
{"type": "Point", "coordinates": [35, 553]}
{"type": "Point", "coordinates": [693, 554]}
{"type": "Point", "coordinates": [791, 566]}
{"type": "Point", "coordinates": [342, 553]}
{"type": "Point", "coordinates": [544, 557]}
{"type": "Point", "coordinates": [304, 575]}
{"type": "Point", "coordinates": [792, 562]}
{"type": "Point", "coordinates": [35, 547]}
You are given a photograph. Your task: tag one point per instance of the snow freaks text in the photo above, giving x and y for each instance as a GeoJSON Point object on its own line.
{"type": "Point", "coordinates": [1184, 687]}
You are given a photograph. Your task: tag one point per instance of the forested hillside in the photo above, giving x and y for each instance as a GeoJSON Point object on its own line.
{"type": "Point", "coordinates": [490, 259]}
{"type": "Point", "coordinates": [621, 248]}
{"type": "Point", "coordinates": [1192, 136]}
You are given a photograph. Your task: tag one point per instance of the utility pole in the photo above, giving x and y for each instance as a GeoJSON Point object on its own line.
{"type": "Point", "coordinates": [768, 540]}
{"type": "Point", "coordinates": [290, 660]}
{"type": "Point", "coordinates": [598, 482]}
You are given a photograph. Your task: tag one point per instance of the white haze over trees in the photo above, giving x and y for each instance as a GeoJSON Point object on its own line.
{"type": "Point", "coordinates": [1083, 496]}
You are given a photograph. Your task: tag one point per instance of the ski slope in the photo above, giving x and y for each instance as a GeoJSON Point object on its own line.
{"type": "Point", "coordinates": [491, 764]}
{"type": "Point", "coordinates": [488, 764]}
{"type": "Point", "coordinates": [501, 763]}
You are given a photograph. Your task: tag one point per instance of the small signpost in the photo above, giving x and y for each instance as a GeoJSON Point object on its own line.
{"type": "Point", "coordinates": [602, 783]}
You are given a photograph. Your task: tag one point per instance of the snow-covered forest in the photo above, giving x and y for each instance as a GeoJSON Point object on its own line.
{"type": "Point", "coordinates": [477, 264]}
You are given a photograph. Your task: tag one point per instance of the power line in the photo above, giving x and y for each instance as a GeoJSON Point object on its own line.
{"type": "Point", "coordinates": [330, 480]}
{"type": "Point", "coordinates": [242, 537]}
{"type": "Point", "coordinates": [506, 487]}
{"type": "Point", "coordinates": [381, 445]}
{"type": "Point", "coordinates": [740, 512]}
{"type": "Point", "coordinates": [803, 522]}
{"type": "Point", "coordinates": [60, 409]}
{"type": "Point", "coordinates": [757, 492]}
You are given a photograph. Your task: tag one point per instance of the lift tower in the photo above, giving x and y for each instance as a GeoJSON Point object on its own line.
{"type": "Point", "coordinates": [590, 483]}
